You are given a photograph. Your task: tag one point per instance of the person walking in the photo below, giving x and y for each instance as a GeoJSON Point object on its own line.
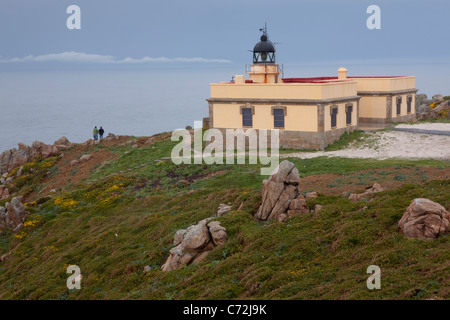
{"type": "Point", "coordinates": [101, 132]}
{"type": "Point", "coordinates": [95, 133]}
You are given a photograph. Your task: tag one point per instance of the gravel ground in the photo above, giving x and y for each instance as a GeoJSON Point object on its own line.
{"type": "Point", "coordinates": [426, 126]}
{"type": "Point", "coordinates": [393, 144]}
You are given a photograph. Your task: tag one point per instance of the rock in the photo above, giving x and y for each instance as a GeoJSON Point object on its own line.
{"type": "Point", "coordinates": [419, 99]}
{"type": "Point", "coordinates": [317, 208]}
{"type": "Point", "coordinates": [311, 195]}
{"type": "Point", "coordinates": [62, 147]}
{"type": "Point", "coordinates": [196, 237]}
{"type": "Point", "coordinates": [147, 269]}
{"type": "Point", "coordinates": [282, 217]}
{"type": "Point", "coordinates": [18, 228]}
{"type": "Point", "coordinates": [223, 208]}
{"type": "Point", "coordinates": [294, 177]}
{"type": "Point", "coordinates": [151, 140]}
{"type": "Point", "coordinates": [423, 109]}
{"type": "Point", "coordinates": [179, 236]}
{"type": "Point", "coordinates": [74, 162]}
{"type": "Point", "coordinates": [63, 141]}
{"type": "Point", "coordinates": [4, 193]}
{"type": "Point", "coordinates": [134, 146]}
{"type": "Point", "coordinates": [3, 215]}
{"type": "Point", "coordinates": [278, 191]}
{"type": "Point", "coordinates": [425, 219]}
{"type": "Point", "coordinates": [110, 136]}
{"type": "Point", "coordinates": [218, 233]}
{"type": "Point", "coordinates": [427, 101]}
{"type": "Point", "coordinates": [443, 106]}
{"type": "Point", "coordinates": [354, 196]}
{"type": "Point", "coordinates": [14, 158]}
{"type": "Point", "coordinates": [437, 97]}
{"type": "Point", "coordinates": [19, 172]}
{"type": "Point", "coordinates": [41, 149]}
{"type": "Point", "coordinates": [374, 189]}
{"type": "Point", "coordinates": [298, 206]}
{"type": "Point", "coordinates": [281, 205]}
{"type": "Point", "coordinates": [194, 243]}
{"type": "Point", "coordinates": [62, 144]}
{"type": "Point", "coordinates": [13, 214]}
{"type": "Point", "coordinates": [85, 157]}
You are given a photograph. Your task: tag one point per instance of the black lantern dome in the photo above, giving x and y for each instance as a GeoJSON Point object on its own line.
{"type": "Point", "coordinates": [264, 51]}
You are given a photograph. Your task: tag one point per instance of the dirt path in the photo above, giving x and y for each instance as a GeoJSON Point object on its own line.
{"type": "Point", "coordinates": [393, 144]}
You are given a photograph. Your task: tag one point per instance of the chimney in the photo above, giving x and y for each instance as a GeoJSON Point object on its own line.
{"type": "Point", "coordinates": [239, 79]}
{"type": "Point", "coordinates": [342, 74]}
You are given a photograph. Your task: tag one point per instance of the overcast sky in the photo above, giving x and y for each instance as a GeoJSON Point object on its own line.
{"type": "Point", "coordinates": [220, 32]}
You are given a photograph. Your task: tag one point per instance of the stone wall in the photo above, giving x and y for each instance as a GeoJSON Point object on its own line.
{"type": "Point", "coordinates": [301, 139]}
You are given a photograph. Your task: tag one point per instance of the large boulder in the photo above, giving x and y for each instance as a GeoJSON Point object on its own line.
{"type": "Point", "coordinates": [194, 243]}
{"type": "Point", "coordinates": [63, 141]}
{"type": "Point", "coordinates": [278, 191]}
{"type": "Point", "coordinates": [13, 214]}
{"type": "Point", "coordinates": [62, 144]}
{"type": "Point", "coordinates": [425, 219]}
{"type": "Point", "coordinates": [41, 149]}
{"type": "Point", "coordinates": [437, 97]}
{"type": "Point", "coordinates": [14, 158]}
{"type": "Point", "coordinates": [423, 109]}
{"type": "Point", "coordinates": [420, 98]}
{"type": "Point", "coordinates": [441, 110]}
{"type": "Point", "coordinates": [218, 233]}
{"type": "Point", "coordinates": [427, 101]}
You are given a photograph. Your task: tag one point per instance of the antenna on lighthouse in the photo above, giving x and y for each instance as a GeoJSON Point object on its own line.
{"type": "Point", "coordinates": [264, 30]}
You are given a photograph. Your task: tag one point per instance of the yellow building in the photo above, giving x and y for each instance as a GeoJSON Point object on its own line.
{"type": "Point", "coordinates": [310, 113]}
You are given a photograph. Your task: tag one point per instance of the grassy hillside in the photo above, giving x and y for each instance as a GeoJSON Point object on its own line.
{"type": "Point", "coordinates": [112, 217]}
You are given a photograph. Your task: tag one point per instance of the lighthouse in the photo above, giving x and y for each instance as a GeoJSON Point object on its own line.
{"type": "Point", "coordinates": [264, 68]}
{"type": "Point", "coordinates": [310, 113]}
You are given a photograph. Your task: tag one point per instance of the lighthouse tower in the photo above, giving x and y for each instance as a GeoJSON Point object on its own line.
{"type": "Point", "coordinates": [264, 68]}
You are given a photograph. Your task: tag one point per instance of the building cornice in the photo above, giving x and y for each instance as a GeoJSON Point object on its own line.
{"type": "Point", "coordinates": [386, 93]}
{"type": "Point", "coordinates": [283, 101]}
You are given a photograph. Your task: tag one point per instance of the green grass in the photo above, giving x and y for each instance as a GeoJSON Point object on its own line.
{"type": "Point", "coordinates": [347, 139]}
{"type": "Point", "coordinates": [121, 224]}
{"type": "Point", "coordinates": [440, 120]}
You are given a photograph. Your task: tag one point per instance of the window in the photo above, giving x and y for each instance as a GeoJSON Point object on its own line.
{"type": "Point", "coordinates": [278, 118]}
{"type": "Point", "coordinates": [348, 114]}
{"type": "Point", "coordinates": [399, 106]}
{"type": "Point", "coordinates": [408, 105]}
{"type": "Point", "coordinates": [247, 117]}
{"type": "Point", "coordinates": [334, 112]}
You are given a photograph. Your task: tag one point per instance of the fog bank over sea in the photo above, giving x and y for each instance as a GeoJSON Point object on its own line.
{"type": "Point", "coordinates": [47, 104]}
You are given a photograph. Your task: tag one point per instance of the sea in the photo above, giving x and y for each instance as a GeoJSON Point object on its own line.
{"type": "Point", "coordinates": [45, 104]}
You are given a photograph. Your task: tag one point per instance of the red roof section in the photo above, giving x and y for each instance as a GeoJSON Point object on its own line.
{"type": "Point", "coordinates": [327, 79]}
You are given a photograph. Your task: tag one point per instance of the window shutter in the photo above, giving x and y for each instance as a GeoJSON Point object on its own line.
{"type": "Point", "coordinates": [247, 117]}
{"type": "Point", "coordinates": [278, 118]}
{"type": "Point", "coordinates": [334, 117]}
